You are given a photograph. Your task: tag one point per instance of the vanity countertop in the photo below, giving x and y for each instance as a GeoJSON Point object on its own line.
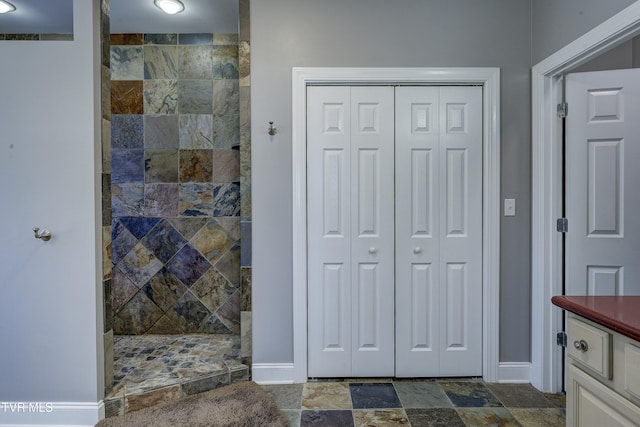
{"type": "Point", "coordinates": [618, 313]}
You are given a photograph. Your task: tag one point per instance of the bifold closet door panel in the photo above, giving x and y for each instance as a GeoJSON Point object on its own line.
{"type": "Point", "coordinates": [329, 231]}
{"type": "Point", "coordinates": [350, 231]}
{"type": "Point", "coordinates": [438, 231]}
{"type": "Point", "coordinates": [461, 230]}
{"type": "Point", "coordinates": [372, 230]}
{"type": "Point", "coordinates": [417, 231]}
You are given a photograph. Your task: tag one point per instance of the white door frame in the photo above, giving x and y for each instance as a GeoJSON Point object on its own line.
{"type": "Point", "coordinates": [546, 256]}
{"type": "Point", "coordinates": [489, 78]}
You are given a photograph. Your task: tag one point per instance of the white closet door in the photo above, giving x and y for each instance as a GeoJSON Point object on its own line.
{"type": "Point", "coordinates": [329, 231]}
{"type": "Point", "coordinates": [417, 231]}
{"type": "Point", "coordinates": [350, 231]}
{"type": "Point", "coordinates": [439, 231]}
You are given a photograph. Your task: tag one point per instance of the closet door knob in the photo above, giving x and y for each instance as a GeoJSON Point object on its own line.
{"type": "Point", "coordinates": [417, 250]}
{"type": "Point", "coordinates": [372, 250]}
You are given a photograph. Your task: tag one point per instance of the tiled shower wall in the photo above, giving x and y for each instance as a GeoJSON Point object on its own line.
{"type": "Point", "coordinates": [175, 183]}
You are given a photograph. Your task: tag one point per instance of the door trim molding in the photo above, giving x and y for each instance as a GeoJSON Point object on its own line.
{"type": "Point", "coordinates": [546, 249]}
{"type": "Point", "coordinates": [489, 78]}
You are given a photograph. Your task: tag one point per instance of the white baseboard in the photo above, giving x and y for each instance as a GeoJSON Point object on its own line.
{"type": "Point", "coordinates": [51, 414]}
{"type": "Point", "coordinates": [514, 372]}
{"type": "Point", "coordinates": [273, 373]}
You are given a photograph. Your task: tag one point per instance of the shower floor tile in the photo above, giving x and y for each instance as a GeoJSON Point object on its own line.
{"type": "Point", "coordinates": [145, 364]}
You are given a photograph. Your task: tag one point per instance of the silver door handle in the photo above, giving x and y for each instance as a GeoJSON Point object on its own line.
{"type": "Point", "coordinates": [42, 235]}
{"type": "Point", "coordinates": [581, 345]}
{"type": "Point", "coordinates": [372, 250]}
{"type": "Point", "coordinates": [417, 250]}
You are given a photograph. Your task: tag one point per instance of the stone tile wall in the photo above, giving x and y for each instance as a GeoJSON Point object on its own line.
{"type": "Point", "coordinates": [106, 195]}
{"type": "Point", "coordinates": [175, 182]}
{"type": "Point", "coordinates": [244, 49]}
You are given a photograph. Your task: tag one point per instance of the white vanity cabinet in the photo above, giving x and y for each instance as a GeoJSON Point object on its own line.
{"type": "Point", "coordinates": [603, 375]}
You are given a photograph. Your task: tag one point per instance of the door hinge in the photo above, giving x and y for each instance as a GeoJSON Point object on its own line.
{"type": "Point", "coordinates": [562, 225]}
{"type": "Point", "coordinates": [563, 110]}
{"type": "Point", "coordinates": [561, 338]}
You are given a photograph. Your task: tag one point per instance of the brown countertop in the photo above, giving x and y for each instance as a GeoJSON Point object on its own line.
{"type": "Point", "coordinates": [621, 314]}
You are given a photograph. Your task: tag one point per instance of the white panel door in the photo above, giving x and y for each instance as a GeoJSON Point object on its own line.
{"type": "Point", "coordinates": [602, 179]}
{"type": "Point", "coordinates": [350, 231]}
{"type": "Point", "coordinates": [438, 231]}
{"type": "Point", "coordinates": [372, 220]}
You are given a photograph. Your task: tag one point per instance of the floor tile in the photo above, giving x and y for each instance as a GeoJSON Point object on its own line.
{"type": "Point", "coordinates": [548, 417]}
{"type": "Point", "coordinates": [434, 417]}
{"type": "Point", "coordinates": [520, 396]}
{"type": "Point", "coordinates": [469, 394]}
{"type": "Point", "coordinates": [326, 395]}
{"type": "Point", "coordinates": [286, 396]}
{"type": "Point", "coordinates": [374, 395]}
{"type": "Point", "coordinates": [326, 418]}
{"type": "Point", "coordinates": [421, 395]}
{"type": "Point", "coordinates": [293, 416]}
{"type": "Point", "coordinates": [493, 417]}
{"type": "Point", "coordinates": [380, 417]}
{"type": "Point", "coordinates": [559, 400]}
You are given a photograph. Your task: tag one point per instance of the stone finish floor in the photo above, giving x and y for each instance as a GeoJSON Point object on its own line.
{"type": "Point", "coordinates": [417, 403]}
{"type": "Point", "coordinates": [151, 369]}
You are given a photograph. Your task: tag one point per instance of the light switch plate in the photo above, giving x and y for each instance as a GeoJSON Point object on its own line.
{"type": "Point", "coordinates": [509, 207]}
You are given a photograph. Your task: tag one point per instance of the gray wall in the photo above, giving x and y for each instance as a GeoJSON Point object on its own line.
{"type": "Point", "coordinates": [380, 33]}
{"type": "Point", "coordinates": [556, 23]}
{"type": "Point", "coordinates": [51, 307]}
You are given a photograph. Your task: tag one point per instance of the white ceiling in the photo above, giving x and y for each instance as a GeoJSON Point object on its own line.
{"type": "Point", "coordinates": [127, 16]}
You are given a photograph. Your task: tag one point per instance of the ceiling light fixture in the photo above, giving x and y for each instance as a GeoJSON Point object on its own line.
{"type": "Point", "coordinates": [6, 7]}
{"type": "Point", "coordinates": [169, 6]}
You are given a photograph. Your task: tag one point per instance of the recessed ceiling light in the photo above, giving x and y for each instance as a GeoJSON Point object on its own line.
{"type": "Point", "coordinates": [169, 6]}
{"type": "Point", "coordinates": [6, 7]}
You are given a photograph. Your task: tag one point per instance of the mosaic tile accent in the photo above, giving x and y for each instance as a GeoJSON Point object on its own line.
{"type": "Point", "coordinates": [160, 62]}
{"type": "Point", "coordinates": [126, 63]}
{"type": "Point", "coordinates": [126, 97]}
{"type": "Point", "coordinates": [161, 131]}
